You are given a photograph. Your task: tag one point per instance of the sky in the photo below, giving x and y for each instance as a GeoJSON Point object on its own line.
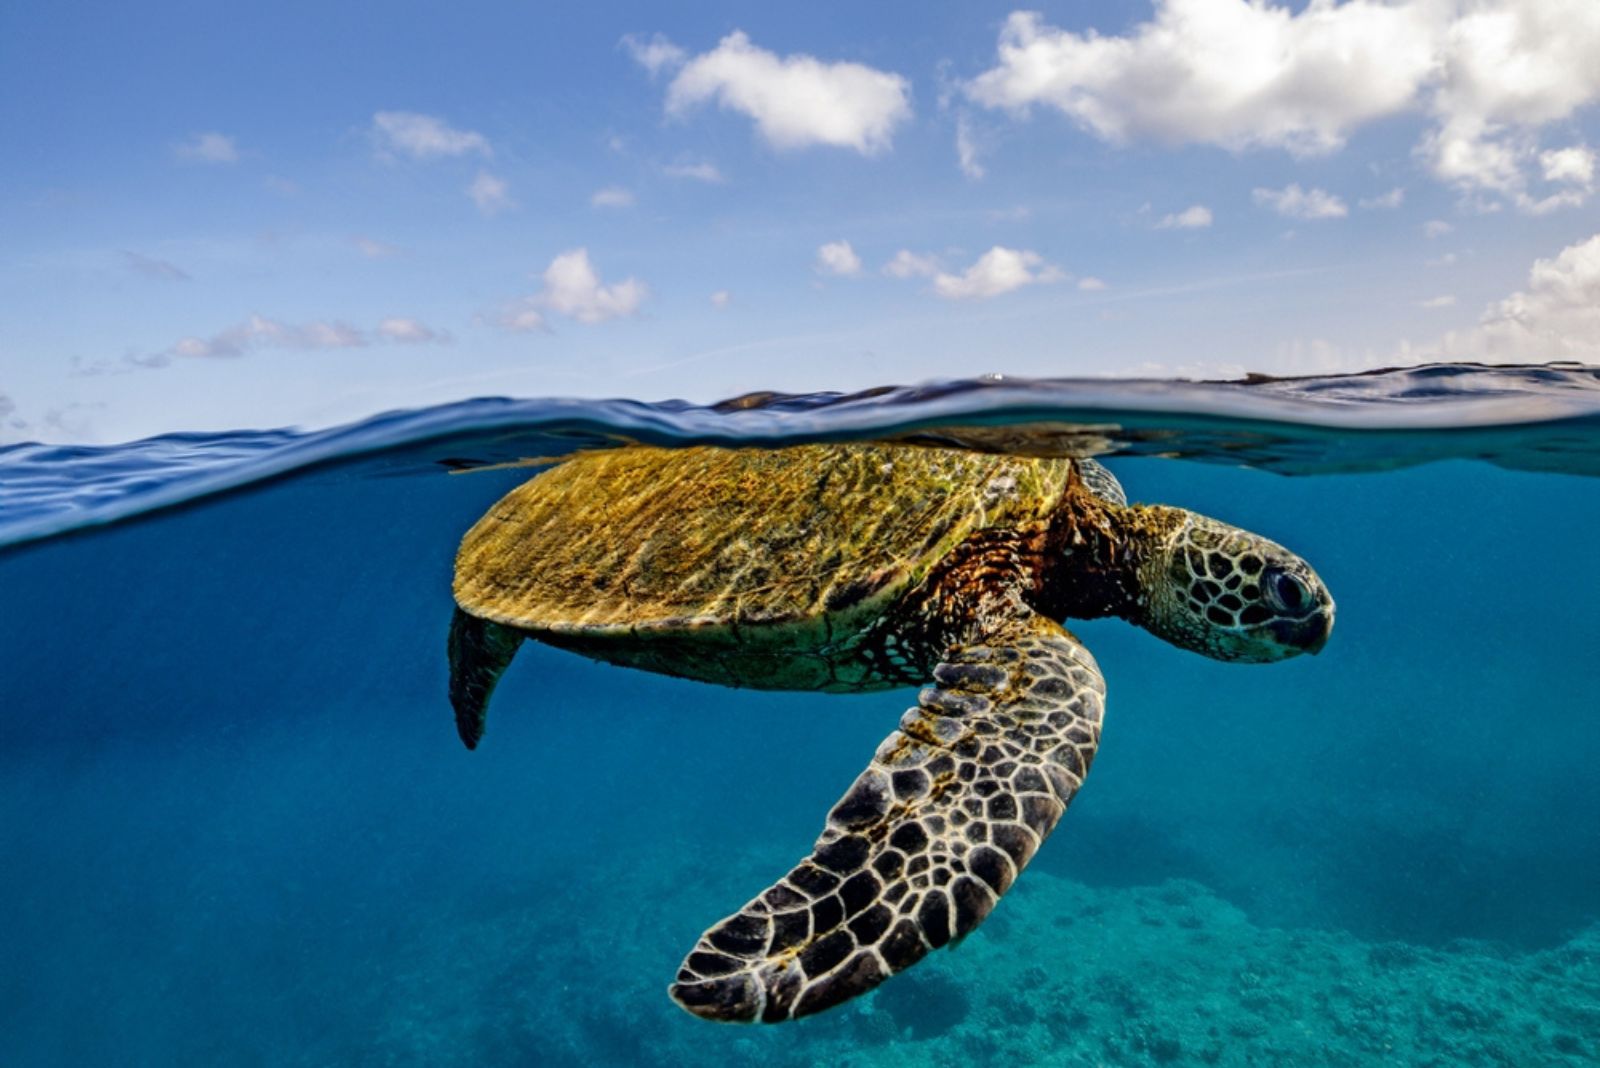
{"type": "Point", "coordinates": [224, 216]}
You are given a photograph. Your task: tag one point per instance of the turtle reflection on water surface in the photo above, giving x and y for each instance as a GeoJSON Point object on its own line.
{"type": "Point", "coordinates": [848, 568]}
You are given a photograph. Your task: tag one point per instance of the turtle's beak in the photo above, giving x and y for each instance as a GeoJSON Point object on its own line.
{"type": "Point", "coordinates": [1328, 610]}
{"type": "Point", "coordinates": [1307, 635]}
{"type": "Point", "coordinates": [1321, 639]}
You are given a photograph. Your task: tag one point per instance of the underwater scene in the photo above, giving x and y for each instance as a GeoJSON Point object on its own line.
{"type": "Point", "coordinates": [238, 825]}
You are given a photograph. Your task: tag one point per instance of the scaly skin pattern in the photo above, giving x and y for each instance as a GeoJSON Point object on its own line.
{"type": "Point", "coordinates": [920, 848]}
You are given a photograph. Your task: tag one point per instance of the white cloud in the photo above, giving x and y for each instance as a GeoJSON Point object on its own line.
{"type": "Point", "coordinates": [1091, 285]}
{"type": "Point", "coordinates": [699, 170]}
{"type": "Point", "coordinates": [1447, 260]}
{"type": "Point", "coordinates": [410, 331]}
{"type": "Point", "coordinates": [208, 148]}
{"type": "Point", "coordinates": [838, 258]}
{"type": "Point", "coordinates": [796, 100]}
{"type": "Point", "coordinates": [1000, 270]}
{"type": "Point", "coordinates": [406, 133]}
{"type": "Point", "coordinates": [1296, 203]}
{"type": "Point", "coordinates": [721, 298]}
{"type": "Point", "coordinates": [374, 249]}
{"type": "Point", "coordinates": [1392, 199]}
{"type": "Point", "coordinates": [654, 55]}
{"type": "Point", "coordinates": [612, 196]}
{"type": "Point", "coordinates": [490, 193]}
{"type": "Point", "coordinates": [1244, 74]}
{"type": "Point", "coordinates": [1464, 152]}
{"type": "Point", "coordinates": [1436, 228]}
{"type": "Point", "coordinates": [1223, 72]}
{"type": "Point", "coordinates": [154, 268]}
{"type": "Point", "coordinates": [522, 316]}
{"type": "Point", "coordinates": [1196, 217]}
{"type": "Point", "coordinates": [1510, 67]}
{"type": "Point", "coordinates": [1445, 301]}
{"type": "Point", "coordinates": [1573, 165]}
{"type": "Point", "coordinates": [967, 149]}
{"type": "Point", "coordinates": [1567, 198]}
{"type": "Point", "coordinates": [908, 264]}
{"type": "Point", "coordinates": [573, 288]}
{"type": "Point", "coordinates": [259, 332]}
{"type": "Point", "coordinates": [1555, 317]}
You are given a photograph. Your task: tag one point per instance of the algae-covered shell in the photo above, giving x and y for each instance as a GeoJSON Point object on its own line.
{"type": "Point", "coordinates": [666, 540]}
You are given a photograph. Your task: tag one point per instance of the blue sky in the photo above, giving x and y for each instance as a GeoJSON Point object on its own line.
{"type": "Point", "coordinates": [217, 216]}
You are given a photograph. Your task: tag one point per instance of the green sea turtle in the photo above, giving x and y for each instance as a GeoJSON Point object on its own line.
{"type": "Point", "coordinates": [859, 567]}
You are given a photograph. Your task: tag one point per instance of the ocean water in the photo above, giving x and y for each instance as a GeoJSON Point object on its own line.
{"type": "Point", "coordinates": [236, 826]}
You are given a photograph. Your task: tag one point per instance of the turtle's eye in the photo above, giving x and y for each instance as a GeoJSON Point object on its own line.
{"type": "Point", "coordinates": [1286, 592]}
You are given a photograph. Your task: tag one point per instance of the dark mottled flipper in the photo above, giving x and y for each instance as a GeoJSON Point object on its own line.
{"type": "Point", "coordinates": [479, 652]}
{"type": "Point", "coordinates": [918, 851]}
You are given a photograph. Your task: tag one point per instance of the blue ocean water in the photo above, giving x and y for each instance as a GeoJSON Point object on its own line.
{"type": "Point", "coordinates": [236, 826]}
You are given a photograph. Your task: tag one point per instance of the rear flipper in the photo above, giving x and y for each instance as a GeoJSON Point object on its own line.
{"type": "Point", "coordinates": [920, 849]}
{"type": "Point", "coordinates": [479, 652]}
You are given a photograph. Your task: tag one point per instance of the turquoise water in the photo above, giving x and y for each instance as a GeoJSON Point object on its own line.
{"type": "Point", "coordinates": [237, 827]}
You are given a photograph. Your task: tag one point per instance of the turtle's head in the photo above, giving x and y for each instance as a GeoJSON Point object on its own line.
{"type": "Point", "coordinates": [1227, 593]}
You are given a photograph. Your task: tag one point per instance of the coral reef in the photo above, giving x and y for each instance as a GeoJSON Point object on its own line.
{"type": "Point", "coordinates": [1167, 975]}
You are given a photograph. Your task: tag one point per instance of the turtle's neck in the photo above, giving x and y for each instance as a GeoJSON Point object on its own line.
{"type": "Point", "coordinates": [1093, 555]}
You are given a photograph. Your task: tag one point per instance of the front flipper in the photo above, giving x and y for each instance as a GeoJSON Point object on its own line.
{"type": "Point", "coordinates": [920, 848]}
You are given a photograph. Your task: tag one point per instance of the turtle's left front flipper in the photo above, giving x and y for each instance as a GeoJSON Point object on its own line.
{"type": "Point", "coordinates": [920, 848]}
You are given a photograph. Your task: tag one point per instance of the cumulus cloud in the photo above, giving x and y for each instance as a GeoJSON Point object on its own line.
{"type": "Point", "coordinates": [150, 267]}
{"type": "Point", "coordinates": [208, 148]}
{"type": "Point", "coordinates": [1225, 72]}
{"type": "Point", "coordinates": [1436, 228]}
{"type": "Point", "coordinates": [908, 264]}
{"type": "Point", "coordinates": [1295, 203]}
{"type": "Point", "coordinates": [572, 287]}
{"type": "Point", "coordinates": [1000, 270]}
{"type": "Point", "coordinates": [698, 170]}
{"type": "Point", "coordinates": [407, 133]}
{"type": "Point", "coordinates": [1247, 74]}
{"type": "Point", "coordinates": [721, 298]}
{"type": "Point", "coordinates": [1392, 199]}
{"type": "Point", "coordinates": [1446, 300]}
{"type": "Point", "coordinates": [490, 193]}
{"type": "Point", "coordinates": [612, 196]}
{"type": "Point", "coordinates": [796, 101]}
{"type": "Point", "coordinates": [1091, 285]}
{"type": "Point", "coordinates": [1573, 165]}
{"type": "Point", "coordinates": [1556, 316]}
{"type": "Point", "coordinates": [838, 258]}
{"type": "Point", "coordinates": [1196, 217]}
